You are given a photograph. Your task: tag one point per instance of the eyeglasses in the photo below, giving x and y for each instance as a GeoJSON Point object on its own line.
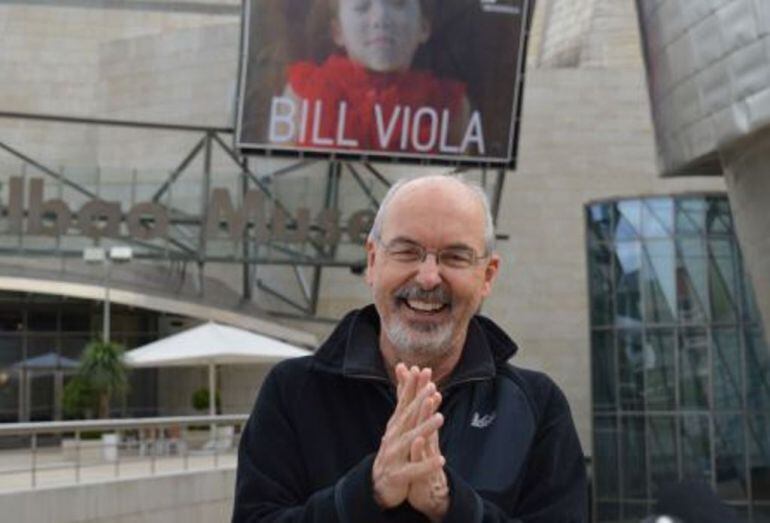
{"type": "Point", "coordinates": [408, 252]}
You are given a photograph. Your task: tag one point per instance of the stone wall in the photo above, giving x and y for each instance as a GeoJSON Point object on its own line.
{"type": "Point", "coordinates": [191, 497]}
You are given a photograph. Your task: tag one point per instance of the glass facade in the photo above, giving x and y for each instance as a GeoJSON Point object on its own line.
{"type": "Point", "coordinates": [680, 368]}
{"type": "Point", "coordinates": [42, 336]}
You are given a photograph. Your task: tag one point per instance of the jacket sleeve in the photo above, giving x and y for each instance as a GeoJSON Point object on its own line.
{"type": "Point", "coordinates": [271, 482]}
{"type": "Point", "coordinates": [554, 485]}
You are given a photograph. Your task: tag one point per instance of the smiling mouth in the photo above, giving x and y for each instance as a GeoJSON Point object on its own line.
{"type": "Point", "coordinates": [424, 307]}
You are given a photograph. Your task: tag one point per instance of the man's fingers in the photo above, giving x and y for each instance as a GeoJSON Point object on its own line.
{"type": "Point", "coordinates": [412, 411]}
{"type": "Point", "coordinates": [417, 449]}
{"type": "Point", "coordinates": [407, 390]}
{"type": "Point", "coordinates": [419, 469]}
{"type": "Point", "coordinates": [423, 429]}
{"type": "Point", "coordinates": [401, 373]}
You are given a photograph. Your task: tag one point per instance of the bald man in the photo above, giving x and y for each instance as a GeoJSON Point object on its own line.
{"type": "Point", "coordinates": [410, 410]}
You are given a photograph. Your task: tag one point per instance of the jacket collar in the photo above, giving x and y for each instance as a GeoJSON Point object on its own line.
{"type": "Point", "coordinates": [353, 349]}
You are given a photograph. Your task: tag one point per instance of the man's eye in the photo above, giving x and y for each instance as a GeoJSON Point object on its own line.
{"type": "Point", "coordinates": [459, 257]}
{"type": "Point", "coordinates": [406, 253]}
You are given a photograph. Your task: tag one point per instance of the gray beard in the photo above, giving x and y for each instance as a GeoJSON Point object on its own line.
{"type": "Point", "coordinates": [422, 345]}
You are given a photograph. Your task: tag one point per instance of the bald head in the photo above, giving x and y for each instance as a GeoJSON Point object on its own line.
{"type": "Point", "coordinates": [432, 185]}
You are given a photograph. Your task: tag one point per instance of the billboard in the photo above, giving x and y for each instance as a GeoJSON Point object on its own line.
{"type": "Point", "coordinates": [424, 81]}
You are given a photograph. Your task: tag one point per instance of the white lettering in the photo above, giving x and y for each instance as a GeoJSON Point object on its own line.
{"type": "Point", "coordinates": [405, 128]}
{"type": "Point", "coordinates": [444, 147]}
{"type": "Point", "coordinates": [303, 122]}
{"type": "Point", "coordinates": [316, 138]}
{"type": "Point", "coordinates": [432, 116]}
{"type": "Point", "coordinates": [341, 140]}
{"type": "Point", "coordinates": [384, 135]}
{"type": "Point", "coordinates": [282, 112]}
{"type": "Point", "coordinates": [474, 134]}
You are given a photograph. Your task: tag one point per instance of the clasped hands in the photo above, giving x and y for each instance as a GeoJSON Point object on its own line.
{"type": "Point", "coordinates": [409, 464]}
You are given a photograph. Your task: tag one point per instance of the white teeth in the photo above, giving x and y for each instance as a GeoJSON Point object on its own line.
{"type": "Point", "coordinates": [424, 306]}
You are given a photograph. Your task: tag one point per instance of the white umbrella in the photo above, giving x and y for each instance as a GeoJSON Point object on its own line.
{"type": "Point", "coordinates": [211, 344]}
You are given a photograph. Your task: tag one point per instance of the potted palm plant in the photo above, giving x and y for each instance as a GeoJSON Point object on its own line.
{"type": "Point", "coordinates": [101, 375]}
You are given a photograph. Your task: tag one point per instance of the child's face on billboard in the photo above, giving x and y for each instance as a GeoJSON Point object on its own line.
{"type": "Point", "coordinates": [381, 35]}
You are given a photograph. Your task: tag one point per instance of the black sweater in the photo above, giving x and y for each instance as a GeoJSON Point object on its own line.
{"type": "Point", "coordinates": [306, 452]}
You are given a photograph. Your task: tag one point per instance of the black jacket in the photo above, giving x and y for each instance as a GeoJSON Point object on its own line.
{"type": "Point", "coordinates": [306, 453]}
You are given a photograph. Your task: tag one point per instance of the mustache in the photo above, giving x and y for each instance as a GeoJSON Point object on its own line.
{"type": "Point", "coordinates": [439, 294]}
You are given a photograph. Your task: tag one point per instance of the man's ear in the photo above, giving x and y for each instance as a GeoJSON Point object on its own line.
{"type": "Point", "coordinates": [371, 251]}
{"type": "Point", "coordinates": [490, 273]}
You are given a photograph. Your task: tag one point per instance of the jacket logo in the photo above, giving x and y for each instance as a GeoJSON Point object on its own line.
{"type": "Point", "coordinates": [482, 422]}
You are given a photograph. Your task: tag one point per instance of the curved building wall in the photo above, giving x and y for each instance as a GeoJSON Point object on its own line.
{"type": "Point", "coordinates": [680, 369]}
{"type": "Point", "coordinates": [708, 68]}
{"type": "Point", "coordinates": [709, 77]}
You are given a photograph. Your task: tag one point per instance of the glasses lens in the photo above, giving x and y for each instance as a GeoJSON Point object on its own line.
{"type": "Point", "coordinates": [457, 258]}
{"type": "Point", "coordinates": [405, 252]}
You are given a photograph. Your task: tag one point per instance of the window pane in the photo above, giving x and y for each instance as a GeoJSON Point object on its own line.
{"type": "Point", "coordinates": [603, 370]}
{"type": "Point", "coordinates": [628, 265]}
{"type": "Point", "coordinates": [750, 311]}
{"type": "Point", "coordinates": [635, 512]}
{"type": "Point", "coordinates": [76, 319]}
{"type": "Point", "coordinates": [730, 457]}
{"type": "Point", "coordinates": [631, 367]}
{"type": "Point", "coordinates": [761, 514]}
{"type": "Point", "coordinates": [728, 378]}
{"type": "Point", "coordinates": [605, 463]}
{"type": "Point", "coordinates": [693, 369]}
{"type": "Point", "coordinates": [690, 215]}
{"type": "Point", "coordinates": [599, 222]}
{"type": "Point", "coordinates": [607, 512]}
{"type": "Point", "coordinates": [692, 280]}
{"type": "Point", "coordinates": [758, 371]}
{"type": "Point", "coordinates": [11, 320]}
{"type": "Point", "coordinates": [10, 354]}
{"type": "Point", "coordinates": [628, 218]}
{"type": "Point", "coordinates": [723, 280]}
{"type": "Point", "coordinates": [633, 460]}
{"type": "Point", "coordinates": [659, 277]}
{"type": "Point", "coordinates": [660, 370]}
{"type": "Point", "coordinates": [43, 319]}
{"type": "Point", "coordinates": [663, 455]}
{"type": "Point", "coordinates": [657, 217]}
{"type": "Point", "coordinates": [719, 219]}
{"type": "Point", "coordinates": [759, 456]}
{"type": "Point", "coordinates": [696, 455]}
{"type": "Point", "coordinates": [600, 267]}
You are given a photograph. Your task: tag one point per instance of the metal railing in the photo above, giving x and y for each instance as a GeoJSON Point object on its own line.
{"type": "Point", "coordinates": [34, 455]}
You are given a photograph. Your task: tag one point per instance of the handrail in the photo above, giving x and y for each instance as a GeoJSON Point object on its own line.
{"type": "Point", "coordinates": [55, 427]}
{"type": "Point", "coordinates": [133, 447]}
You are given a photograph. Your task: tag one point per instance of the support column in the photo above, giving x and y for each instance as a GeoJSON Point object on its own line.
{"type": "Point", "coordinates": [747, 174]}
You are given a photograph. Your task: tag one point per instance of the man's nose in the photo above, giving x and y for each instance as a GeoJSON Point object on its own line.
{"type": "Point", "coordinates": [428, 272]}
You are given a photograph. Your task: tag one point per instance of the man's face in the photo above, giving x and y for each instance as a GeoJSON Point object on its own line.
{"type": "Point", "coordinates": [425, 307]}
{"type": "Point", "coordinates": [381, 35]}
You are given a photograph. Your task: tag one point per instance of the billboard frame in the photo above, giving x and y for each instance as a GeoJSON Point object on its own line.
{"type": "Point", "coordinates": [509, 161]}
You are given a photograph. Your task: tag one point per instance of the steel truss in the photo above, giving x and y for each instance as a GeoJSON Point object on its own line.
{"type": "Point", "coordinates": [187, 242]}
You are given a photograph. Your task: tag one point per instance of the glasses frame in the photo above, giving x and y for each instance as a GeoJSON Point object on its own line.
{"type": "Point", "coordinates": [437, 253]}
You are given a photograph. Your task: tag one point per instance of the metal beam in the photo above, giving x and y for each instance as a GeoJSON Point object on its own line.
{"type": "Point", "coordinates": [377, 174]}
{"type": "Point", "coordinates": [113, 123]}
{"type": "Point", "coordinates": [357, 177]}
{"type": "Point", "coordinates": [176, 173]}
{"type": "Point", "coordinates": [50, 172]}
